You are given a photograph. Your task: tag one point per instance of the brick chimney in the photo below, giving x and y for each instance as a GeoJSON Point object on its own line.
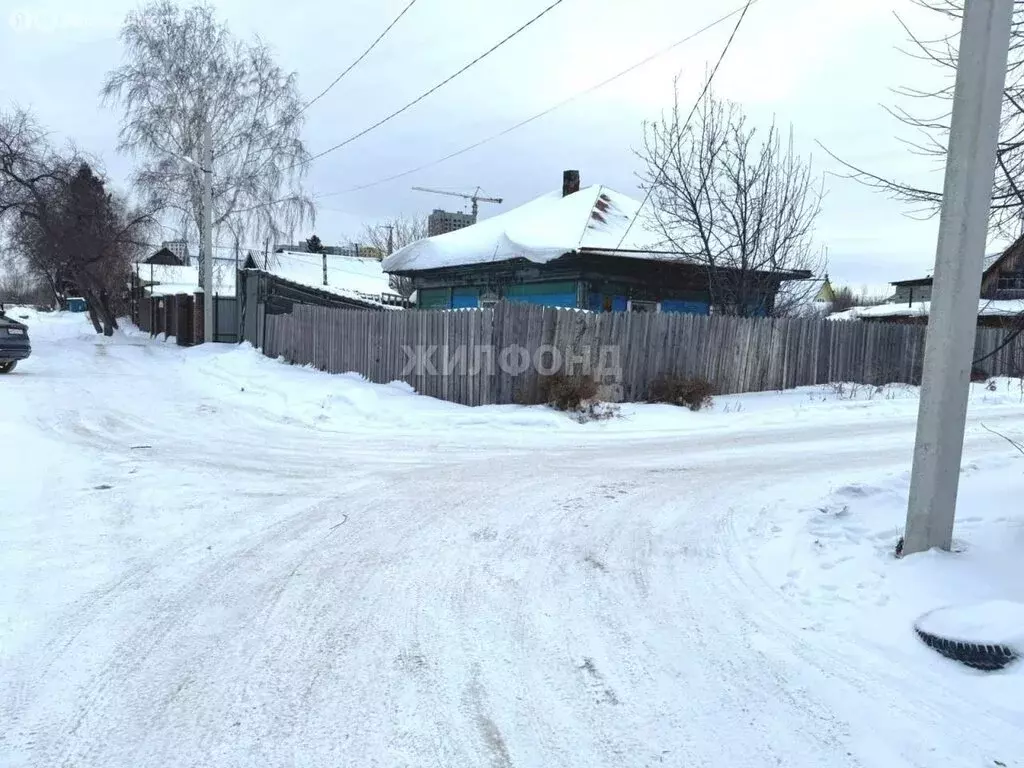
{"type": "Point", "coordinates": [570, 182]}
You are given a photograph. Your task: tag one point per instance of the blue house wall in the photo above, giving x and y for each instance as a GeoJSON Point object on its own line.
{"type": "Point", "coordinates": [564, 294]}
{"type": "Point", "coordinates": [595, 282]}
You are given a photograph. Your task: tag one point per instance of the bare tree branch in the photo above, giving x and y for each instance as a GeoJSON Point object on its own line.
{"type": "Point", "coordinates": [61, 222]}
{"type": "Point", "coordinates": [184, 69]}
{"type": "Point", "coordinates": [1007, 212]}
{"type": "Point", "coordinates": [740, 201]}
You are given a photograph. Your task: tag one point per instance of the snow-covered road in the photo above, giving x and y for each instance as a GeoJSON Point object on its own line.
{"type": "Point", "coordinates": [211, 559]}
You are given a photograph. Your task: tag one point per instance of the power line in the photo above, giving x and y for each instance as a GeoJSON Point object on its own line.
{"type": "Point", "coordinates": [527, 121]}
{"type": "Point", "coordinates": [362, 56]}
{"type": "Point", "coordinates": [696, 104]}
{"type": "Point", "coordinates": [397, 112]}
{"type": "Point", "coordinates": [437, 87]}
{"type": "Point", "coordinates": [549, 110]}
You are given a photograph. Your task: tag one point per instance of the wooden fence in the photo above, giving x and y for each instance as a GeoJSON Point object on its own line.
{"type": "Point", "coordinates": [483, 356]}
{"type": "Point", "coordinates": [181, 316]}
{"type": "Point", "coordinates": [173, 316]}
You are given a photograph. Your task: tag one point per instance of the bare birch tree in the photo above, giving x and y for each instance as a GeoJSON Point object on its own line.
{"type": "Point", "coordinates": [737, 200]}
{"type": "Point", "coordinates": [928, 113]}
{"type": "Point", "coordinates": [183, 69]}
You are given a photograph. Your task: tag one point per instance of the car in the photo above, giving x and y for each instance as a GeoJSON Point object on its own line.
{"type": "Point", "coordinates": [14, 343]}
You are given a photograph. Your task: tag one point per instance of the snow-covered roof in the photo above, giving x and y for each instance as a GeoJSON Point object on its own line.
{"type": "Point", "coordinates": [169, 280]}
{"type": "Point", "coordinates": [348, 276]}
{"type": "Point", "coordinates": [359, 274]}
{"type": "Point", "coordinates": [595, 218]}
{"type": "Point", "coordinates": [359, 277]}
{"type": "Point", "coordinates": [986, 308]}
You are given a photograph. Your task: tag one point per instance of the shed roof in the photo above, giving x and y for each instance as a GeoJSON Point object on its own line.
{"type": "Point", "coordinates": [357, 277]}
{"type": "Point", "coordinates": [991, 259]}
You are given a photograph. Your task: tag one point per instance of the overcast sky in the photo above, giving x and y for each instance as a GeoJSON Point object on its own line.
{"type": "Point", "coordinates": [825, 67]}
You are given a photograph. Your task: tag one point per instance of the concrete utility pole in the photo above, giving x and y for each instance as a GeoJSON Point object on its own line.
{"type": "Point", "coordinates": [391, 238]}
{"type": "Point", "coordinates": [207, 234]}
{"type": "Point", "coordinates": [963, 229]}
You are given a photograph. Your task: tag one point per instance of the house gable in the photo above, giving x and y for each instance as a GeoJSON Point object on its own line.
{"type": "Point", "coordinates": [165, 257]}
{"type": "Point", "coordinates": [1004, 277]}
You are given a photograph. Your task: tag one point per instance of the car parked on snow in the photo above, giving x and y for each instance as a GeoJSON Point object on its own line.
{"type": "Point", "coordinates": [14, 343]}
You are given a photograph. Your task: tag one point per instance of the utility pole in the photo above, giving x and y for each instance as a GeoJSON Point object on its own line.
{"type": "Point", "coordinates": [207, 233]}
{"type": "Point", "coordinates": [324, 257]}
{"type": "Point", "coordinates": [391, 238]}
{"type": "Point", "coordinates": [963, 229]}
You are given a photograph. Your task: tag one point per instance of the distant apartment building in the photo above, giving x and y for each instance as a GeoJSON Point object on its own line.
{"type": "Point", "coordinates": [180, 249]}
{"type": "Point", "coordinates": [440, 221]}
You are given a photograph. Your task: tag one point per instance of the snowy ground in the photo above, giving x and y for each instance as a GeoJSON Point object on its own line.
{"type": "Point", "coordinates": [213, 559]}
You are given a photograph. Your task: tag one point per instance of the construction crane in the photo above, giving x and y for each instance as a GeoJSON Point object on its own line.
{"type": "Point", "coordinates": [475, 197]}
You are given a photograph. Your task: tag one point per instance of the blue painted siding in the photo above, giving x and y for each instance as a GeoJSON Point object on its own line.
{"type": "Point", "coordinates": [465, 298]}
{"type": "Point", "coordinates": [554, 294]}
{"type": "Point", "coordinates": [685, 307]}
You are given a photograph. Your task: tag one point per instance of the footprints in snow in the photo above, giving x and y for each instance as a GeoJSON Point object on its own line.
{"type": "Point", "coordinates": [484, 534]}
{"type": "Point", "coordinates": [596, 683]}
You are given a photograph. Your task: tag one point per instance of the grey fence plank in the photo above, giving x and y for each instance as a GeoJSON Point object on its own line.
{"type": "Point", "coordinates": [735, 354]}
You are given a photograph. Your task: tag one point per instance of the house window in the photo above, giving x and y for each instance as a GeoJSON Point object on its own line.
{"type": "Point", "coordinates": [642, 306]}
{"type": "Point", "coordinates": [1011, 281]}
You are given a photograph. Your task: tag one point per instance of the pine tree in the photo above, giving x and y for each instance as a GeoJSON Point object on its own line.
{"type": "Point", "coordinates": [313, 245]}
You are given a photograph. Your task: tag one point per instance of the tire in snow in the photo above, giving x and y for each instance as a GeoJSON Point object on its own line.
{"type": "Point", "coordinates": [982, 636]}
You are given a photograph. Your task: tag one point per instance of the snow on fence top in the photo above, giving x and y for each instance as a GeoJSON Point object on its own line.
{"type": "Point", "coordinates": [986, 308]}
{"type": "Point", "coordinates": [595, 219]}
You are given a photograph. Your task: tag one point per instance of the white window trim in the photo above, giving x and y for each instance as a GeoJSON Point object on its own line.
{"type": "Point", "coordinates": [657, 305]}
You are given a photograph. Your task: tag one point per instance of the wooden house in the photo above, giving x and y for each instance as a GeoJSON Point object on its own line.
{"type": "Point", "coordinates": [1002, 279]}
{"type": "Point", "coordinates": [583, 248]}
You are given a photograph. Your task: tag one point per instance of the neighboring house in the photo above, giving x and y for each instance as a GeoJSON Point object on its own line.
{"type": "Point", "coordinates": [357, 278]}
{"type": "Point", "coordinates": [165, 256]}
{"type": "Point", "coordinates": [352, 249]}
{"type": "Point", "coordinates": [992, 313]}
{"type": "Point", "coordinates": [360, 278]}
{"type": "Point", "coordinates": [1003, 279]}
{"type": "Point", "coordinates": [909, 291]}
{"type": "Point", "coordinates": [583, 248]}
{"type": "Point", "coordinates": [156, 279]}
{"type": "Point", "coordinates": [826, 294]}
{"type": "Point", "coordinates": [1001, 297]}
{"type": "Point", "coordinates": [180, 249]}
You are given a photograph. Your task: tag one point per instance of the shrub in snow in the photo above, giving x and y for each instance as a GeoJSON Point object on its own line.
{"type": "Point", "coordinates": [693, 392]}
{"type": "Point", "coordinates": [567, 393]}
